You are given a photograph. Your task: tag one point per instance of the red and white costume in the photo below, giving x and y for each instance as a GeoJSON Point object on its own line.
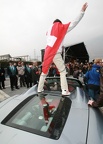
{"type": "Point", "coordinates": [54, 38]}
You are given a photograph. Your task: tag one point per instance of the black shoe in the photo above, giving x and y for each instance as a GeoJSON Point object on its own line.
{"type": "Point", "coordinates": [12, 89]}
{"type": "Point", "coordinates": [17, 87]}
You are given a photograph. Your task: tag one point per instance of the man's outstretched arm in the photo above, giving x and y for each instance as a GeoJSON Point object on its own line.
{"type": "Point", "coordinates": [78, 18]}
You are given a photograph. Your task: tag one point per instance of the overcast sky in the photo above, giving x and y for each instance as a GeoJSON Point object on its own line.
{"type": "Point", "coordinates": [24, 23]}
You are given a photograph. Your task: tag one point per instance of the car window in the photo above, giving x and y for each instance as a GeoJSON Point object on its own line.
{"type": "Point", "coordinates": [44, 115]}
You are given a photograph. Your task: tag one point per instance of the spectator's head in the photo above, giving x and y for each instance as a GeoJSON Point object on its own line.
{"type": "Point", "coordinates": [10, 63]}
{"type": "Point", "coordinates": [97, 61]}
{"type": "Point", "coordinates": [102, 62]}
{"type": "Point", "coordinates": [22, 63]}
{"type": "Point", "coordinates": [19, 63]}
{"type": "Point", "coordinates": [15, 64]}
{"type": "Point", "coordinates": [35, 63]}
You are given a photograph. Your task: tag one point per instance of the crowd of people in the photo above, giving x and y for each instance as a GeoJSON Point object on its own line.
{"type": "Point", "coordinates": [27, 75]}
{"type": "Point", "coordinates": [20, 75]}
{"type": "Point", "coordinates": [92, 74]}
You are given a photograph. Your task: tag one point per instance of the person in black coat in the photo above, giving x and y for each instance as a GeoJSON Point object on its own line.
{"type": "Point", "coordinates": [2, 77]}
{"type": "Point", "coordinates": [0, 80]}
{"type": "Point", "coordinates": [12, 72]}
{"type": "Point", "coordinates": [28, 75]}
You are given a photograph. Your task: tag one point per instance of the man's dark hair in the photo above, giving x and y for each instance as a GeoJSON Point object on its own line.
{"type": "Point", "coordinates": [57, 20]}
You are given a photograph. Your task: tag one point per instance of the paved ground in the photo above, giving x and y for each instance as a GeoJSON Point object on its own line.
{"type": "Point", "coordinates": [5, 93]}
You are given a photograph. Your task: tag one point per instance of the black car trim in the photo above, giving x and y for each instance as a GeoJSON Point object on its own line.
{"type": "Point", "coordinates": [87, 125]}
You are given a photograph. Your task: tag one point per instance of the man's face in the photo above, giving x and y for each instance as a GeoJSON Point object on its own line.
{"type": "Point", "coordinates": [102, 64]}
{"type": "Point", "coordinates": [35, 64]}
{"type": "Point", "coordinates": [10, 63]}
{"type": "Point", "coordinates": [22, 63]}
{"type": "Point", "coordinates": [19, 64]}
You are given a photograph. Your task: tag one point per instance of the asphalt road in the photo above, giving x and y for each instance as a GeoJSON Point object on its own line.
{"type": "Point", "coordinates": [5, 93]}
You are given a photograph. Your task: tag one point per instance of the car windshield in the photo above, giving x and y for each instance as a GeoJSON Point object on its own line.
{"type": "Point", "coordinates": [44, 115]}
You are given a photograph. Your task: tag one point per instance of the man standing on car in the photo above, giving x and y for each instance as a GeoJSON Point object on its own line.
{"type": "Point", "coordinates": [53, 51]}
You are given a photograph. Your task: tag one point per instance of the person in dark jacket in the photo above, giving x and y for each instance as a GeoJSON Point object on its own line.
{"type": "Point", "coordinates": [76, 72]}
{"type": "Point", "coordinates": [2, 77]}
{"type": "Point", "coordinates": [35, 73]}
{"type": "Point", "coordinates": [93, 79]}
{"type": "Point", "coordinates": [0, 80]}
{"type": "Point", "coordinates": [28, 75]}
{"type": "Point", "coordinates": [12, 72]}
{"type": "Point", "coordinates": [99, 102]}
